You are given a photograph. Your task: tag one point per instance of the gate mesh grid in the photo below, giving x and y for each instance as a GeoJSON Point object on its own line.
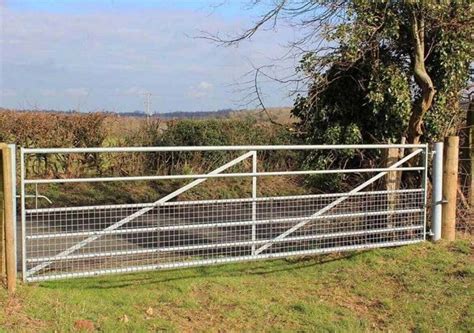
{"type": "Point", "coordinates": [177, 234]}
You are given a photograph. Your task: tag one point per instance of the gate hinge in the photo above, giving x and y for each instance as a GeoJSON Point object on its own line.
{"type": "Point", "coordinates": [442, 202]}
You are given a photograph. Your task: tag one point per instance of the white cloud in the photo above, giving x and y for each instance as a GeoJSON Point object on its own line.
{"type": "Point", "coordinates": [203, 85]}
{"type": "Point", "coordinates": [110, 56]}
{"type": "Point", "coordinates": [202, 89]}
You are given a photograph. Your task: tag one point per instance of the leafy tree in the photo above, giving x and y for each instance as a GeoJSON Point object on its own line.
{"type": "Point", "coordinates": [376, 71]}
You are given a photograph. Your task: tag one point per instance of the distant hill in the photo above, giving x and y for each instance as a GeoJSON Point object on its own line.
{"type": "Point", "coordinates": [140, 114]}
{"type": "Point", "coordinates": [281, 115]}
{"type": "Point", "coordinates": [224, 113]}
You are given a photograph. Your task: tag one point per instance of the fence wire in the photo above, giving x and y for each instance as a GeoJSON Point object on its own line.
{"type": "Point", "coordinates": [465, 195]}
{"type": "Point", "coordinates": [78, 241]}
{"type": "Point", "coordinates": [177, 234]}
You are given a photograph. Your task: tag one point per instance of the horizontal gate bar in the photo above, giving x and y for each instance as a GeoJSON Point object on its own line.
{"type": "Point", "coordinates": [341, 199]}
{"type": "Point", "coordinates": [219, 261]}
{"type": "Point", "coordinates": [221, 224]}
{"type": "Point", "coordinates": [221, 175]}
{"type": "Point", "coordinates": [219, 201]}
{"type": "Point", "coordinates": [219, 245]}
{"type": "Point", "coordinates": [389, 234]}
{"type": "Point", "coordinates": [211, 148]}
{"type": "Point", "coordinates": [141, 211]}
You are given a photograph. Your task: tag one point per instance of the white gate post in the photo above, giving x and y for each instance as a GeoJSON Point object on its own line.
{"type": "Point", "coordinates": [254, 202]}
{"type": "Point", "coordinates": [23, 212]}
{"type": "Point", "coordinates": [14, 203]}
{"type": "Point", "coordinates": [437, 191]}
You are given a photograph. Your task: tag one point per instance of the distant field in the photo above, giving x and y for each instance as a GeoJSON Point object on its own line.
{"type": "Point", "coordinates": [419, 288]}
{"type": "Point", "coordinates": [70, 129]}
{"type": "Point", "coordinates": [279, 115]}
{"type": "Point", "coordinates": [123, 125]}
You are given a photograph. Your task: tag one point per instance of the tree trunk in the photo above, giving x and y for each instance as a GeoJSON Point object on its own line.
{"type": "Point", "coordinates": [470, 144]}
{"type": "Point", "coordinates": [422, 79]}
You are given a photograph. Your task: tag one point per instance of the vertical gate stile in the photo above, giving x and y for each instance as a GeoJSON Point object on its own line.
{"type": "Point", "coordinates": [23, 213]}
{"type": "Point", "coordinates": [158, 233]}
{"type": "Point", "coordinates": [254, 200]}
{"type": "Point", "coordinates": [14, 208]}
{"type": "Point", "coordinates": [425, 187]}
{"type": "Point", "coordinates": [36, 196]}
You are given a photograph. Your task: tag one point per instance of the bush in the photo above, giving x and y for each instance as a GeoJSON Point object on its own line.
{"type": "Point", "coordinates": [42, 129]}
{"type": "Point", "coordinates": [203, 132]}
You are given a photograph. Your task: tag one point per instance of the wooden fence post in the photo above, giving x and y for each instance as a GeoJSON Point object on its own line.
{"type": "Point", "coordinates": [9, 224]}
{"type": "Point", "coordinates": [450, 186]}
{"type": "Point", "coordinates": [470, 143]}
{"type": "Point", "coordinates": [3, 269]}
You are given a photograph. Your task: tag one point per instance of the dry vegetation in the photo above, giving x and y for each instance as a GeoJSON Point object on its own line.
{"type": "Point", "coordinates": [47, 129]}
{"type": "Point", "coordinates": [277, 115]}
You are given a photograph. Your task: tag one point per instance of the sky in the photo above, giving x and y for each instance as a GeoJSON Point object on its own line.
{"type": "Point", "coordinates": [107, 54]}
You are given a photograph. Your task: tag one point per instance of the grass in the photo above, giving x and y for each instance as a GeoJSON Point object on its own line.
{"type": "Point", "coordinates": [420, 288]}
{"type": "Point", "coordinates": [82, 194]}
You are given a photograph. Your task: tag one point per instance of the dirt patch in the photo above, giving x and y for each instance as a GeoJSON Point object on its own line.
{"type": "Point", "coordinates": [84, 325]}
{"type": "Point", "coordinates": [17, 319]}
{"type": "Point", "coordinates": [203, 314]}
{"type": "Point", "coordinates": [371, 309]}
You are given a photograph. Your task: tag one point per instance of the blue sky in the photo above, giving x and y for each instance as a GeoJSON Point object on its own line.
{"type": "Point", "coordinates": [104, 55]}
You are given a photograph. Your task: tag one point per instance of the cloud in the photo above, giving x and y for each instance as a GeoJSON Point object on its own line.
{"type": "Point", "coordinates": [201, 90]}
{"type": "Point", "coordinates": [113, 55]}
{"type": "Point", "coordinates": [203, 85]}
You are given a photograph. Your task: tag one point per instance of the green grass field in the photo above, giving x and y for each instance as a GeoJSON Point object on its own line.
{"type": "Point", "coordinates": [421, 288]}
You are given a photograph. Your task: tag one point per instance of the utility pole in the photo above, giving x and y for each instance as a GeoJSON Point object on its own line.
{"type": "Point", "coordinates": [147, 104]}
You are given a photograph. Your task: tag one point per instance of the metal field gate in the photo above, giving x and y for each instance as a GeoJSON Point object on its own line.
{"type": "Point", "coordinates": [62, 240]}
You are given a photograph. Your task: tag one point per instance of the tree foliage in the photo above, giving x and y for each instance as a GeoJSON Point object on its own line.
{"type": "Point", "coordinates": [376, 86]}
{"type": "Point", "coordinates": [374, 70]}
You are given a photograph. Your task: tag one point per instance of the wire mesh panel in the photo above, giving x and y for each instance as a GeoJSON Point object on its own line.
{"type": "Point", "coordinates": [465, 197]}
{"type": "Point", "coordinates": [91, 240]}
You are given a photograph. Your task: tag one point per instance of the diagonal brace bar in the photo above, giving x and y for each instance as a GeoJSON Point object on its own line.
{"type": "Point", "coordinates": [140, 212]}
{"type": "Point", "coordinates": [336, 202]}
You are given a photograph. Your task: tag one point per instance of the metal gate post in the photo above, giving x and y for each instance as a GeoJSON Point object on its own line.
{"type": "Point", "coordinates": [254, 202]}
{"type": "Point", "coordinates": [437, 191]}
{"type": "Point", "coordinates": [15, 222]}
{"type": "Point", "coordinates": [425, 188]}
{"type": "Point", "coordinates": [23, 214]}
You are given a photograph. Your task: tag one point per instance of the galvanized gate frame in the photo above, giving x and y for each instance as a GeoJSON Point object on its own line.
{"type": "Point", "coordinates": [142, 211]}
{"type": "Point", "coordinates": [341, 199]}
{"type": "Point", "coordinates": [217, 173]}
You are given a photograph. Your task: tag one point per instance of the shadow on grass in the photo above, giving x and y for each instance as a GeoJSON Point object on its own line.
{"type": "Point", "coordinates": [256, 268]}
